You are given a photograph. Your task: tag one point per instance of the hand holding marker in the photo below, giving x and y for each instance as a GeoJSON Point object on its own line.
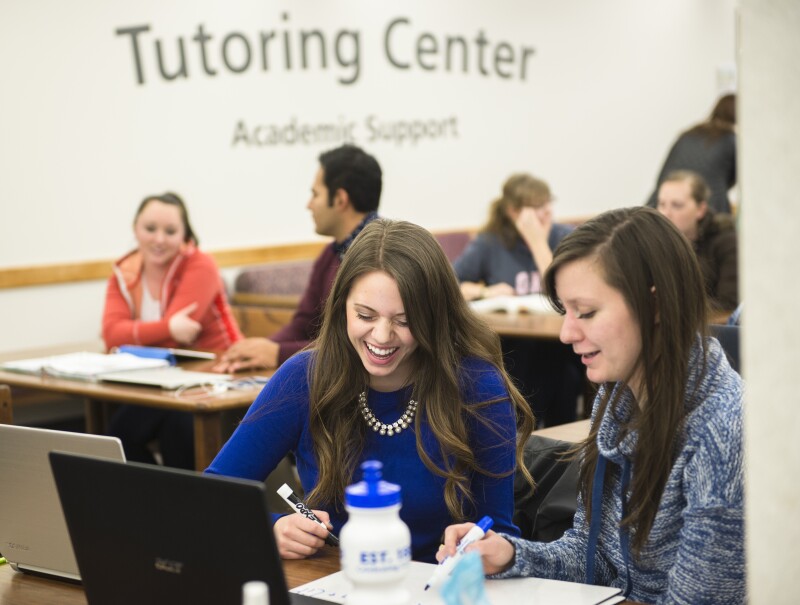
{"type": "Point", "coordinates": [448, 563]}
{"type": "Point", "coordinates": [299, 507]}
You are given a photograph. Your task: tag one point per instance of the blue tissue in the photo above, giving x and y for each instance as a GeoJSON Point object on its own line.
{"type": "Point", "coordinates": [466, 583]}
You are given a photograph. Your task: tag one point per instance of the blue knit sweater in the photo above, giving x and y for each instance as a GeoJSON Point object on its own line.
{"type": "Point", "coordinates": [277, 423]}
{"type": "Point", "coordinates": [695, 550]}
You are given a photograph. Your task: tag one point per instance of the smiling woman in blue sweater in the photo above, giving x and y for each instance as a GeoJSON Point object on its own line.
{"type": "Point", "coordinates": [660, 510]}
{"type": "Point", "coordinates": [404, 373]}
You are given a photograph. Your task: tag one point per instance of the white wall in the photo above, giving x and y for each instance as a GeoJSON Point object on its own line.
{"type": "Point", "coordinates": [608, 87]}
{"type": "Point", "coordinates": [769, 160]}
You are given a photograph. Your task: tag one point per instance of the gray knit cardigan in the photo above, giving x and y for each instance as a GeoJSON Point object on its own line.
{"type": "Point", "coordinates": [695, 551]}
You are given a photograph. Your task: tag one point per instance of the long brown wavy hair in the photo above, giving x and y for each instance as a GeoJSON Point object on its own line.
{"type": "Point", "coordinates": [645, 258]}
{"type": "Point", "coordinates": [446, 331]}
{"type": "Point", "coordinates": [519, 190]}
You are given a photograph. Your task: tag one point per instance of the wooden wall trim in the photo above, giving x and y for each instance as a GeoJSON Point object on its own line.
{"type": "Point", "coordinates": [45, 275]}
{"type": "Point", "coordinates": [40, 275]}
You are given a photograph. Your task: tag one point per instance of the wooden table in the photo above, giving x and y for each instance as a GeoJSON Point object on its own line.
{"type": "Point", "coordinates": [23, 589]}
{"type": "Point", "coordinates": [207, 409]}
{"type": "Point", "coordinates": [543, 326]}
{"type": "Point", "coordinates": [572, 431]}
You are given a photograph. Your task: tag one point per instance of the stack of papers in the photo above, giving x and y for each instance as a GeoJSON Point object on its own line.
{"type": "Point", "coordinates": [83, 365]}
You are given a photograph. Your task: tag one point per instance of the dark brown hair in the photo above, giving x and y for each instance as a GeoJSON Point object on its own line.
{"type": "Point", "coordinates": [698, 188]}
{"type": "Point", "coordinates": [645, 258]}
{"type": "Point", "coordinates": [721, 121]}
{"type": "Point", "coordinates": [446, 331]}
{"type": "Point", "coordinates": [351, 168]}
{"type": "Point", "coordinates": [172, 199]}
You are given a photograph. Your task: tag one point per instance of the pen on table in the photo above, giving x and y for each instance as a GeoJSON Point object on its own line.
{"type": "Point", "coordinates": [285, 492]}
{"type": "Point", "coordinates": [448, 563]}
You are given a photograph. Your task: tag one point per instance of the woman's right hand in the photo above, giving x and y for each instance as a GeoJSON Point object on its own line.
{"type": "Point", "coordinates": [531, 226]}
{"type": "Point", "coordinates": [183, 328]}
{"type": "Point", "coordinates": [497, 553]}
{"type": "Point", "coordinates": [298, 537]}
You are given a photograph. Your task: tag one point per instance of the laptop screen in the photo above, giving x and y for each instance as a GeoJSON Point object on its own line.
{"type": "Point", "coordinates": [150, 534]}
{"type": "Point", "coordinates": [33, 534]}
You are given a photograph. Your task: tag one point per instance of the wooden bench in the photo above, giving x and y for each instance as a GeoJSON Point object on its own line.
{"type": "Point", "coordinates": [265, 296]}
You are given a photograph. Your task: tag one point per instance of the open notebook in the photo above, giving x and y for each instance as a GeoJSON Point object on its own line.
{"type": "Point", "coordinates": [531, 303]}
{"type": "Point", "coordinates": [83, 365]}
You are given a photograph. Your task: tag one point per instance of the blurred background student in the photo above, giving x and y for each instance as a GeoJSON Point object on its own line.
{"type": "Point", "coordinates": [708, 148]}
{"type": "Point", "coordinates": [683, 199]}
{"type": "Point", "coordinates": [165, 293]}
{"type": "Point", "coordinates": [345, 195]}
{"type": "Point", "coordinates": [508, 257]}
{"type": "Point", "coordinates": [515, 247]}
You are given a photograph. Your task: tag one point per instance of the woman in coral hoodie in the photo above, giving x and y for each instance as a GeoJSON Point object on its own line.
{"type": "Point", "coordinates": [164, 293]}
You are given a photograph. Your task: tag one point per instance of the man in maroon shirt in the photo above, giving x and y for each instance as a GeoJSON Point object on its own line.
{"type": "Point", "coordinates": [344, 198]}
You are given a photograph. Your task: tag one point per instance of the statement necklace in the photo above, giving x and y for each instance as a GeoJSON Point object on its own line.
{"type": "Point", "coordinates": [380, 427]}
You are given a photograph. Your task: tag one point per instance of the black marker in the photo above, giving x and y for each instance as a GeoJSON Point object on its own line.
{"type": "Point", "coordinates": [299, 507]}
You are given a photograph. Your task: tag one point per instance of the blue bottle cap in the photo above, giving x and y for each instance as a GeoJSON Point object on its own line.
{"type": "Point", "coordinates": [371, 491]}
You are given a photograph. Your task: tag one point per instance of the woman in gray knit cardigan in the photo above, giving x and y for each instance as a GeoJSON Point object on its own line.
{"type": "Point", "coordinates": [660, 507]}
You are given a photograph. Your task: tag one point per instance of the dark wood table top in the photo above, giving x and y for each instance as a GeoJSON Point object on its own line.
{"type": "Point", "coordinates": [542, 326]}
{"type": "Point", "coordinates": [152, 397]}
{"type": "Point", "coordinates": [24, 589]}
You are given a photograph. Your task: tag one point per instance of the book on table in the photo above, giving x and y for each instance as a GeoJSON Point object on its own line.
{"type": "Point", "coordinates": [83, 365]}
{"type": "Point", "coordinates": [530, 303]}
{"type": "Point", "coordinates": [169, 353]}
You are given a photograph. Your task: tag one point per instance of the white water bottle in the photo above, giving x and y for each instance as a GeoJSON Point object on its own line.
{"type": "Point", "coordinates": [255, 592]}
{"type": "Point", "coordinates": [375, 543]}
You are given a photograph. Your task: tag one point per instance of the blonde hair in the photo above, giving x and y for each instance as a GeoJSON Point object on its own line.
{"type": "Point", "coordinates": [519, 191]}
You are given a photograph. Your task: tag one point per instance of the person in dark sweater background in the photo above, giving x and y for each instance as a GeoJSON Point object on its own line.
{"type": "Point", "coordinates": [344, 199]}
{"type": "Point", "coordinates": [683, 199]}
{"type": "Point", "coordinates": [708, 148]}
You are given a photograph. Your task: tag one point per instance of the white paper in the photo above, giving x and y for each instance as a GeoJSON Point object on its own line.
{"type": "Point", "coordinates": [83, 365]}
{"type": "Point", "coordinates": [334, 588]}
{"type": "Point", "coordinates": [531, 303]}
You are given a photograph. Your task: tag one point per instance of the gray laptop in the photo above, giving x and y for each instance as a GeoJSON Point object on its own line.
{"type": "Point", "coordinates": [161, 536]}
{"type": "Point", "coordinates": [33, 534]}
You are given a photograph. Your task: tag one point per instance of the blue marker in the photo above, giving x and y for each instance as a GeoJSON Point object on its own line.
{"type": "Point", "coordinates": [448, 563]}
